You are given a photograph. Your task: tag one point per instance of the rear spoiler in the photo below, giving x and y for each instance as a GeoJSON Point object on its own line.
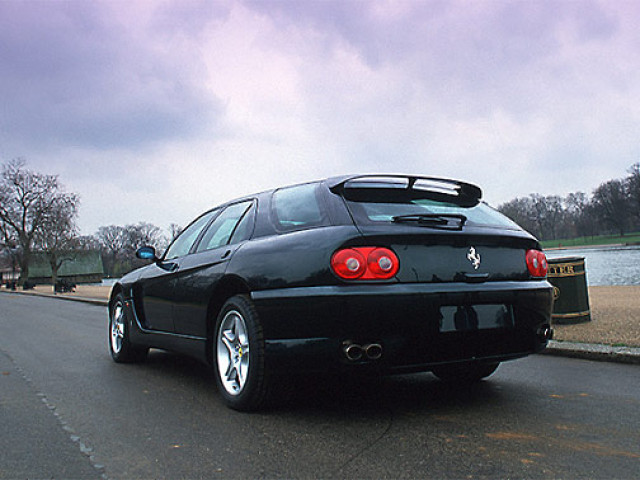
{"type": "Point", "coordinates": [402, 188]}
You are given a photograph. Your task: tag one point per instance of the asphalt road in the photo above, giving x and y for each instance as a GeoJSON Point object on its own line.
{"type": "Point", "coordinates": [68, 411]}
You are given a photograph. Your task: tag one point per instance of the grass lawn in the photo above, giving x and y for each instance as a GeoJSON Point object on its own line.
{"type": "Point", "coordinates": [628, 239]}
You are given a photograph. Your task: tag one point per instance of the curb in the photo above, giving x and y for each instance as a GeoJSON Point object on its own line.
{"type": "Point", "coordinates": [93, 301]}
{"type": "Point", "coordinates": [589, 351]}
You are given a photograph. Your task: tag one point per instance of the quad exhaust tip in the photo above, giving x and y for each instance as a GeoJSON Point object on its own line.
{"type": "Point", "coordinates": [373, 351]}
{"type": "Point", "coordinates": [545, 333]}
{"type": "Point", "coordinates": [355, 352]}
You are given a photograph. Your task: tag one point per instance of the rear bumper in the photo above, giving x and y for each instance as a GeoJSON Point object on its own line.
{"type": "Point", "coordinates": [306, 328]}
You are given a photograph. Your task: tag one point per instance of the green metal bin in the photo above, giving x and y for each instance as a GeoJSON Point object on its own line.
{"type": "Point", "coordinates": [569, 278]}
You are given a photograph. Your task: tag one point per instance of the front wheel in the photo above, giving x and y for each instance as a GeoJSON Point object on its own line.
{"type": "Point", "coordinates": [120, 347]}
{"type": "Point", "coordinates": [465, 372]}
{"type": "Point", "coordinates": [238, 353]}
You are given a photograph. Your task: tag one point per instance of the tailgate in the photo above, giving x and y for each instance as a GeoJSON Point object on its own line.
{"type": "Point", "coordinates": [458, 257]}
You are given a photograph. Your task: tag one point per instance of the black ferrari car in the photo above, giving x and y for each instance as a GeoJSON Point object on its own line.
{"type": "Point", "coordinates": [372, 274]}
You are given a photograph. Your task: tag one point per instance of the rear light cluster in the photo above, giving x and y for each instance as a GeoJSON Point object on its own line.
{"type": "Point", "coordinates": [537, 263]}
{"type": "Point", "coordinates": [365, 263]}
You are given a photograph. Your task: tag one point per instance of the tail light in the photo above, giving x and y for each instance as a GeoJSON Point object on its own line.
{"type": "Point", "coordinates": [537, 263]}
{"type": "Point", "coordinates": [365, 263]}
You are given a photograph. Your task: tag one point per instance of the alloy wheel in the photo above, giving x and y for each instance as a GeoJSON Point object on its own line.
{"type": "Point", "coordinates": [233, 352]}
{"type": "Point", "coordinates": [117, 327]}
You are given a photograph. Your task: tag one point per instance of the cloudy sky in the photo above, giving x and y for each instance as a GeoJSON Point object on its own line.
{"type": "Point", "coordinates": [157, 111]}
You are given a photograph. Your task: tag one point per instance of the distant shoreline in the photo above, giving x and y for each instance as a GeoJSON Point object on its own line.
{"type": "Point", "coordinates": [604, 245]}
{"type": "Point", "coordinates": [630, 239]}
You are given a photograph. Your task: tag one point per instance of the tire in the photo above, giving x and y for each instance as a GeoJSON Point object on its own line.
{"type": "Point", "coordinates": [238, 356]}
{"type": "Point", "coordinates": [120, 346]}
{"type": "Point", "coordinates": [465, 372]}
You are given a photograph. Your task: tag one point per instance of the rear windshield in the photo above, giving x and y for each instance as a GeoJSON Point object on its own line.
{"type": "Point", "coordinates": [376, 212]}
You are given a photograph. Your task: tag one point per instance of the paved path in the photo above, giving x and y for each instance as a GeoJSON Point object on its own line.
{"type": "Point", "coordinates": [539, 417]}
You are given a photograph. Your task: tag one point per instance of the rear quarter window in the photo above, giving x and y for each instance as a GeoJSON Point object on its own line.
{"type": "Point", "coordinates": [298, 208]}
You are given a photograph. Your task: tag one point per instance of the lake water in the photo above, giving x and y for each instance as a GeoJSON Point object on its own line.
{"type": "Point", "coordinates": [606, 265]}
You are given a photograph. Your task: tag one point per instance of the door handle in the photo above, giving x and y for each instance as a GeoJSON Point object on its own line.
{"type": "Point", "coordinates": [225, 254]}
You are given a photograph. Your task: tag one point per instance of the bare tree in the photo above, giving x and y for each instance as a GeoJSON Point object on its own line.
{"type": "Point", "coordinates": [579, 211]}
{"type": "Point", "coordinates": [26, 200]}
{"type": "Point", "coordinates": [114, 241]}
{"type": "Point", "coordinates": [88, 242]}
{"type": "Point", "coordinates": [113, 238]}
{"type": "Point", "coordinates": [143, 234]}
{"type": "Point", "coordinates": [174, 231]}
{"type": "Point", "coordinates": [613, 205]}
{"type": "Point", "coordinates": [119, 245]}
{"type": "Point", "coordinates": [633, 189]}
{"type": "Point", "coordinates": [9, 249]}
{"type": "Point", "coordinates": [57, 235]}
{"type": "Point", "coordinates": [7, 237]}
{"type": "Point", "coordinates": [549, 214]}
{"type": "Point", "coordinates": [522, 211]}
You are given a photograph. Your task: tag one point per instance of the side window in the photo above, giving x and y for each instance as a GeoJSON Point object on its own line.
{"type": "Point", "coordinates": [245, 227]}
{"type": "Point", "coordinates": [184, 242]}
{"type": "Point", "coordinates": [296, 208]}
{"type": "Point", "coordinates": [227, 224]}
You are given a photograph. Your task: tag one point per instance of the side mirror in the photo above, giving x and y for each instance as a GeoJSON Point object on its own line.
{"type": "Point", "coordinates": [147, 253]}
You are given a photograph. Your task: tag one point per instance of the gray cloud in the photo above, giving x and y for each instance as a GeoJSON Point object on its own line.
{"type": "Point", "coordinates": [189, 17]}
{"type": "Point", "coordinates": [490, 54]}
{"type": "Point", "coordinates": [157, 110]}
{"type": "Point", "coordinates": [73, 75]}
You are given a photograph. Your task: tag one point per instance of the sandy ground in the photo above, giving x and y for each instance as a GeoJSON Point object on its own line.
{"type": "Point", "coordinates": [615, 314]}
{"type": "Point", "coordinates": [615, 318]}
